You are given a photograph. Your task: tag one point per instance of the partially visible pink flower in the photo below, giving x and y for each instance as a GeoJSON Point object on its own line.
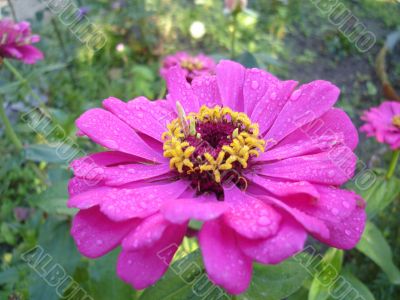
{"type": "Point", "coordinates": [235, 5]}
{"type": "Point", "coordinates": [258, 160]}
{"type": "Point", "coordinates": [383, 122]}
{"type": "Point", "coordinates": [193, 66]}
{"type": "Point", "coordinates": [16, 42]}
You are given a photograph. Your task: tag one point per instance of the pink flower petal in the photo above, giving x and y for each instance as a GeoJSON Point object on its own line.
{"type": "Point", "coordinates": [30, 54]}
{"type": "Point", "coordinates": [91, 167]}
{"type": "Point", "coordinates": [256, 84]}
{"type": "Point", "coordinates": [143, 267]}
{"type": "Point", "coordinates": [333, 205]}
{"type": "Point", "coordinates": [89, 197]}
{"type": "Point", "coordinates": [122, 174]}
{"type": "Point", "coordinates": [109, 131]}
{"type": "Point", "coordinates": [78, 185]}
{"type": "Point", "coordinates": [268, 108]}
{"type": "Point", "coordinates": [148, 117]}
{"type": "Point", "coordinates": [225, 264]}
{"type": "Point", "coordinates": [206, 90]}
{"type": "Point", "coordinates": [95, 234]}
{"type": "Point", "coordinates": [347, 233]}
{"type": "Point", "coordinates": [334, 167]}
{"type": "Point", "coordinates": [306, 104]}
{"type": "Point", "coordinates": [311, 224]}
{"type": "Point", "coordinates": [230, 78]}
{"type": "Point", "coordinates": [201, 208]}
{"type": "Point", "coordinates": [249, 216]}
{"type": "Point", "coordinates": [288, 241]}
{"type": "Point", "coordinates": [125, 203]}
{"type": "Point", "coordinates": [332, 129]}
{"type": "Point", "coordinates": [148, 232]}
{"type": "Point", "coordinates": [286, 188]}
{"type": "Point", "coordinates": [180, 90]}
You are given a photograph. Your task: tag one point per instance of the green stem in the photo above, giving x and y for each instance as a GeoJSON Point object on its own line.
{"type": "Point", "coordinates": [10, 133]}
{"type": "Point", "coordinates": [393, 164]}
{"type": "Point", "coordinates": [22, 80]}
{"type": "Point", "coordinates": [64, 50]}
{"type": "Point", "coordinates": [233, 35]}
{"type": "Point", "coordinates": [12, 10]}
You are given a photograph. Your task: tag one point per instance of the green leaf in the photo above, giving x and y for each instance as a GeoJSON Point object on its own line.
{"type": "Point", "coordinates": [46, 153]}
{"type": "Point", "coordinates": [374, 245]}
{"type": "Point", "coordinates": [185, 280]}
{"type": "Point", "coordinates": [248, 60]}
{"type": "Point", "coordinates": [360, 287]}
{"type": "Point", "coordinates": [328, 271]}
{"type": "Point", "coordinates": [104, 283]}
{"type": "Point", "coordinates": [380, 194]}
{"type": "Point", "coordinates": [53, 259]}
{"type": "Point", "coordinates": [54, 199]}
{"type": "Point", "coordinates": [10, 87]}
{"type": "Point", "coordinates": [275, 282]}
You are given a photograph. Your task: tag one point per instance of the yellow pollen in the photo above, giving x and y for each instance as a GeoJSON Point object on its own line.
{"type": "Point", "coordinates": [396, 121]}
{"type": "Point", "coordinates": [244, 142]}
{"type": "Point", "coordinates": [192, 64]}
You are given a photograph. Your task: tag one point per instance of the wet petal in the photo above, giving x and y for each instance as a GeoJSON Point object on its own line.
{"type": "Point", "coordinates": [249, 216]}
{"type": "Point", "coordinates": [143, 267]}
{"type": "Point", "coordinates": [206, 90]}
{"type": "Point", "coordinates": [109, 131]}
{"type": "Point", "coordinates": [180, 90]}
{"type": "Point", "coordinates": [306, 104]}
{"type": "Point", "coordinates": [333, 167]}
{"type": "Point", "coordinates": [201, 208]}
{"type": "Point", "coordinates": [119, 175]}
{"type": "Point", "coordinates": [289, 240]}
{"type": "Point", "coordinates": [125, 203]}
{"type": "Point", "coordinates": [230, 78]}
{"type": "Point", "coordinates": [225, 264]}
{"type": "Point", "coordinates": [268, 108]}
{"type": "Point", "coordinates": [286, 188]}
{"type": "Point", "coordinates": [148, 117]}
{"type": "Point", "coordinates": [95, 234]}
{"type": "Point", "coordinates": [146, 234]}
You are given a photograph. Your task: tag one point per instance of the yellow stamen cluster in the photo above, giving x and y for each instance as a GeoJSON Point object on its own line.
{"type": "Point", "coordinates": [396, 121]}
{"type": "Point", "coordinates": [245, 142]}
{"type": "Point", "coordinates": [191, 64]}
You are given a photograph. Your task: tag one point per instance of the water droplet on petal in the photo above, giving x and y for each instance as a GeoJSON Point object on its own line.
{"type": "Point", "coordinates": [263, 221]}
{"type": "Point", "coordinates": [296, 94]}
{"type": "Point", "coordinates": [111, 144]}
{"type": "Point", "coordinates": [254, 85]}
{"type": "Point", "coordinates": [335, 211]}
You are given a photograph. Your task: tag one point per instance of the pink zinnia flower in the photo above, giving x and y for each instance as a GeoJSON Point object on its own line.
{"type": "Point", "coordinates": [16, 40]}
{"type": "Point", "coordinates": [193, 66]}
{"type": "Point", "coordinates": [383, 122]}
{"type": "Point", "coordinates": [257, 160]}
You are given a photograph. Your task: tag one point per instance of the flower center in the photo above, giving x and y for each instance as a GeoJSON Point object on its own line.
{"type": "Point", "coordinates": [212, 146]}
{"type": "Point", "coordinates": [396, 121]}
{"type": "Point", "coordinates": [191, 64]}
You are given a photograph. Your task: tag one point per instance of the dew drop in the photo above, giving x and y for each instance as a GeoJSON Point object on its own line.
{"type": "Point", "coordinates": [111, 144]}
{"type": "Point", "coordinates": [296, 94]}
{"type": "Point", "coordinates": [263, 221]}
{"type": "Point", "coordinates": [254, 85]}
{"type": "Point", "coordinates": [331, 173]}
{"type": "Point", "coordinates": [347, 232]}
